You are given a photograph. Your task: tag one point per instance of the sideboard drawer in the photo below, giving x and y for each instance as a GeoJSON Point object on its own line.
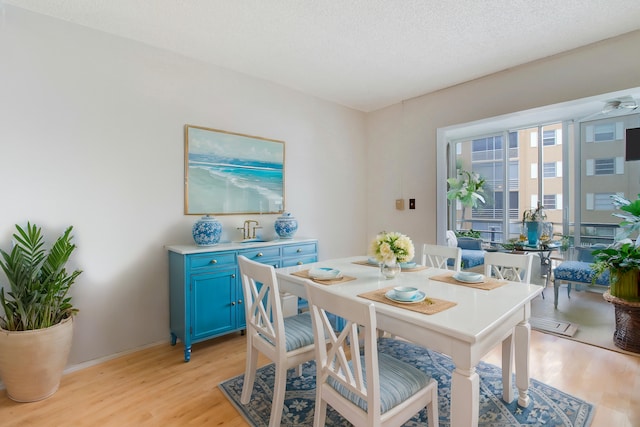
{"type": "Point", "coordinates": [212, 259]}
{"type": "Point", "coordinates": [257, 254]}
{"type": "Point", "coordinates": [299, 250]}
{"type": "Point", "coordinates": [299, 260]}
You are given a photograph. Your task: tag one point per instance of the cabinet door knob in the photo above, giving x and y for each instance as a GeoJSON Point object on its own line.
{"type": "Point", "coordinates": [239, 301]}
{"type": "Point", "coordinates": [259, 254]}
{"type": "Point", "coordinates": [233, 303]}
{"type": "Point", "coordinates": [300, 262]}
{"type": "Point", "coordinates": [214, 261]}
{"type": "Point", "coordinates": [299, 250]}
{"type": "Point", "coordinates": [233, 276]}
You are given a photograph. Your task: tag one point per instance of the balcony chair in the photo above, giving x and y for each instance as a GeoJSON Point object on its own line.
{"type": "Point", "coordinates": [472, 252]}
{"type": "Point", "coordinates": [579, 273]}
{"type": "Point", "coordinates": [366, 387]}
{"type": "Point", "coordinates": [288, 342]}
{"type": "Point", "coordinates": [439, 256]}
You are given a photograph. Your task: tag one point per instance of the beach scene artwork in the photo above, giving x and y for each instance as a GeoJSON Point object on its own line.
{"type": "Point", "coordinates": [230, 173]}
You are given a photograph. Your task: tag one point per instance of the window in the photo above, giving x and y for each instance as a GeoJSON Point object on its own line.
{"type": "Point", "coordinates": [599, 201]}
{"type": "Point", "coordinates": [605, 132]}
{"type": "Point", "coordinates": [549, 201]}
{"type": "Point", "coordinates": [549, 170]}
{"type": "Point", "coordinates": [604, 166]}
{"type": "Point", "coordinates": [549, 137]}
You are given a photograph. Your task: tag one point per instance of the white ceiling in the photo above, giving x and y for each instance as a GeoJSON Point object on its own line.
{"type": "Point", "coordinates": [364, 54]}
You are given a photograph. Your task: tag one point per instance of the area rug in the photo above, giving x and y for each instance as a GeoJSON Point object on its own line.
{"type": "Point", "coordinates": [549, 406]}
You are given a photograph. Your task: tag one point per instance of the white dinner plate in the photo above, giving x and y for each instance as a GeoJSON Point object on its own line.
{"type": "Point", "coordinates": [469, 278]}
{"type": "Point", "coordinates": [324, 273]}
{"type": "Point", "coordinates": [418, 297]}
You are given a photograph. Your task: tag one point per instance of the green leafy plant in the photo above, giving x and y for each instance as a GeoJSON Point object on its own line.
{"type": "Point", "coordinates": [467, 233]}
{"type": "Point", "coordinates": [622, 260]}
{"type": "Point", "coordinates": [630, 215]}
{"type": "Point", "coordinates": [38, 281]}
{"type": "Point", "coordinates": [468, 188]}
{"type": "Point", "coordinates": [534, 215]}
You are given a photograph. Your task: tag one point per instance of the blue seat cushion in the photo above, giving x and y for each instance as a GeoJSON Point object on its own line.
{"type": "Point", "coordinates": [398, 382]}
{"type": "Point", "coordinates": [298, 331]}
{"type": "Point", "coordinates": [472, 258]}
{"type": "Point", "coordinates": [578, 271]}
{"type": "Point", "coordinates": [470, 243]}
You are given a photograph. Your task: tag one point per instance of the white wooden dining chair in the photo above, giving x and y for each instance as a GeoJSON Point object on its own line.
{"type": "Point", "coordinates": [508, 266]}
{"type": "Point", "coordinates": [365, 387]}
{"type": "Point", "coordinates": [287, 341]}
{"type": "Point", "coordinates": [438, 256]}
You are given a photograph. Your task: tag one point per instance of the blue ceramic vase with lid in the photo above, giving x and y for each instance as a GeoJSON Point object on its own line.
{"type": "Point", "coordinates": [206, 231]}
{"type": "Point", "coordinates": [286, 226]}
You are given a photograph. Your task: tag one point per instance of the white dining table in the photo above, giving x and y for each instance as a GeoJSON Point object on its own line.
{"type": "Point", "coordinates": [480, 320]}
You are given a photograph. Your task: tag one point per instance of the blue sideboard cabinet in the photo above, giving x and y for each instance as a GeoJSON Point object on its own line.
{"type": "Point", "coordinates": [205, 291]}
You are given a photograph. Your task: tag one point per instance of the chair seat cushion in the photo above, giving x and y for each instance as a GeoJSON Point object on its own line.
{"type": "Point", "coordinates": [472, 258]}
{"type": "Point", "coordinates": [578, 271]}
{"type": "Point", "coordinates": [398, 382]}
{"type": "Point", "coordinates": [298, 331]}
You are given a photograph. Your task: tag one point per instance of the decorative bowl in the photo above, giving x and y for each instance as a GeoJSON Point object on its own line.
{"type": "Point", "coordinates": [405, 292]}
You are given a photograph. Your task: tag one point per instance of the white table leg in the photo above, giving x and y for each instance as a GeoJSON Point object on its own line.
{"type": "Point", "coordinates": [522, 334]}
{"type": "Point", "coordinates": [507, 368]}
{"type": "Point", "coordinates": [465, 397]}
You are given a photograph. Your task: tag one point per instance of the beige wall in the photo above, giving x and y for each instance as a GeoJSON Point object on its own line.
{"type": "Point", "coordinates": [91, 134]}
{"type": "Point", "coordinates": [408, 132]}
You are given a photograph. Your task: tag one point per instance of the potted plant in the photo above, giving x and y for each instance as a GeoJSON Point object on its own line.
{"type": "Point", "coordinates": [36, 321]}
{"type": "Point", "coordinates": [467, 188]}
{"type": "Point", "coordinates": [622, 260]}
{"type": "Point", "coordinates": [531, 221]}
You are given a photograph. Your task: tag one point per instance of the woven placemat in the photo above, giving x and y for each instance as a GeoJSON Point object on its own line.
{"type": "Point", "coordinates": [305, 274]}
{"type": "Point", "coordinates": [408, 270]}
{"type": "Point", "coordinates": [487, 285]}
{"type": "Point", "coordinates": [428, 306]}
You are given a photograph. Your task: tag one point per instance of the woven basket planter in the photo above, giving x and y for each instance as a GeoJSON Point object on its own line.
{"type": "Point", "coordinates": [627, 333]}
{"type": "Point", "coordinates": [32, 362]}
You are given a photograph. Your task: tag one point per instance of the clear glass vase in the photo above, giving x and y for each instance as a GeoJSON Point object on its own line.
{"type": "Point", "coordinates": [389, 271]}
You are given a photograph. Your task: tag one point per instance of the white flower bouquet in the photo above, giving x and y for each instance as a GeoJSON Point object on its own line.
{"type": "Point", "coordinates": [391, 248]}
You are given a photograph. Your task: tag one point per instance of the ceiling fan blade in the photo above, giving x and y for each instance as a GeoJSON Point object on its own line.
{"type": "Point", "coordinates": [629, 104]}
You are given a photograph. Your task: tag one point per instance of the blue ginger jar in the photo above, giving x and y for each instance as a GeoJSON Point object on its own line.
{"type": "Point", "coordinates": [286, 226]}
{"type": "Point", "coordinates": [207, 231]}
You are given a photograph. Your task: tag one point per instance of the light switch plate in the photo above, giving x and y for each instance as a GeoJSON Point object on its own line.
{"type": "Point", "coordinates": [400, 204]}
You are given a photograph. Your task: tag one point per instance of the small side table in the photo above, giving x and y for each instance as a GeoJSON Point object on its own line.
{"type": "Point", "coordinates": [627, 333]}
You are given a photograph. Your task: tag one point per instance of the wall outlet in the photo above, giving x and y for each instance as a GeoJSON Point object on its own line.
{"type": "Point", "coordinates": [400, 204]}
{"type": "Point", "coordinates": [412, 203]}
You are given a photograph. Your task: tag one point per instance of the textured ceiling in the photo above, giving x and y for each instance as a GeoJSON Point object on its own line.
{"type": "Point", "coordinates": [364, 54]}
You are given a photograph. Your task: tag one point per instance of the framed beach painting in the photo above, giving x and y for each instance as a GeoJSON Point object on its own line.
{"type": "Point", "coordinates": [232, 173]}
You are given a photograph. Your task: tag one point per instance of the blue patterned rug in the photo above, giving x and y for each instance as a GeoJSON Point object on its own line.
{"type": "Point", "coordinates": [548, 407]}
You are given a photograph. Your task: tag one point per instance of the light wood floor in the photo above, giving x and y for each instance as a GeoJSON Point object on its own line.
{"type": "Point", "coordinates": [154, 387]}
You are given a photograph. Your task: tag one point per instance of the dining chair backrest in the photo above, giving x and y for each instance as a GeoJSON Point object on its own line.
{"type": "Point", "coordinates": [288, 342]}
{"type": "Point", "coordinates": [439, 256]}
{"type": "Point", "coordinates": [508, 266]}
{"type": "Point", "coordinates": [263, 308]}
{"type": "Point", "coordinates": [366, 388]}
